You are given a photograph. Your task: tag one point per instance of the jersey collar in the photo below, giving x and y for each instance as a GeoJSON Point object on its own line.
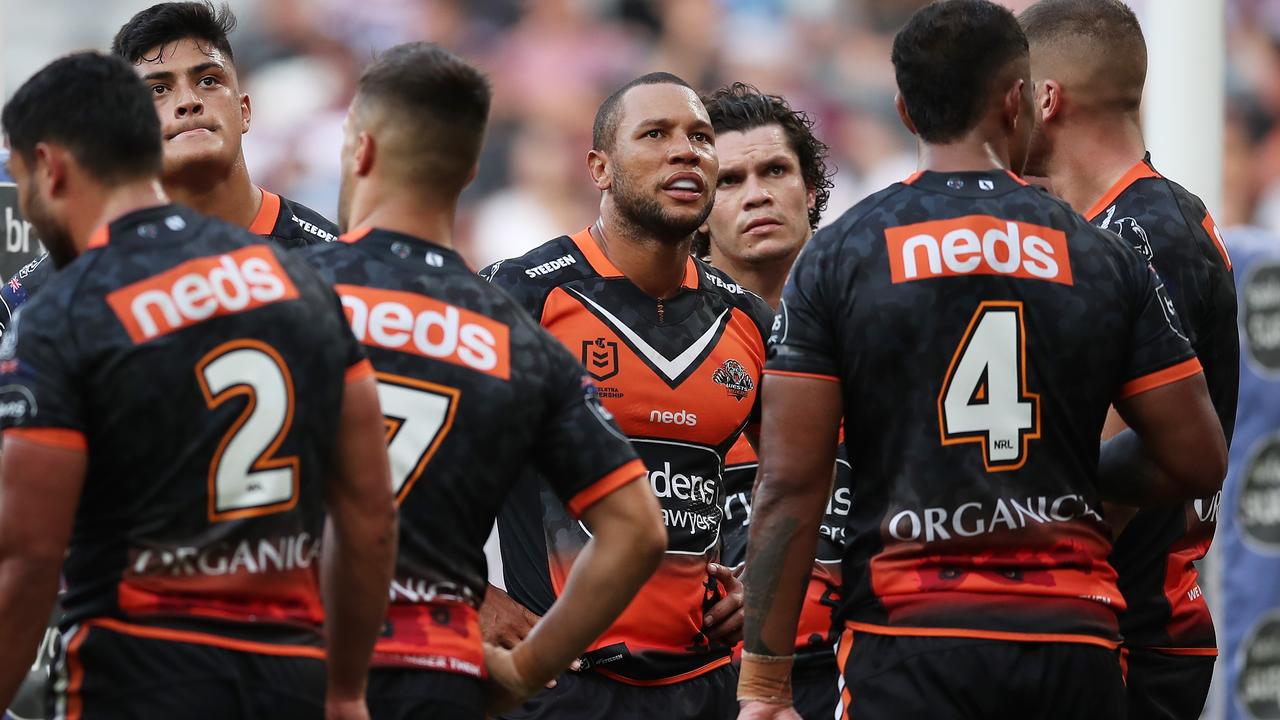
{"type": "Point", "coordinates": [264, 223]}
{"type": "Point", "coordinates": [404, 247]}
{"type": "Point", "coordinates": [102, 236]}
{"type": "Point", "coordinates": [1141, 169]}
{"type": "Point", "coordinates": [595, 257]}
{"type": "Point", "coordinates": [969, 183]}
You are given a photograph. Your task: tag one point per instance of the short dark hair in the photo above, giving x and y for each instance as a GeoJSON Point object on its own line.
{"type": "Point", "coordinates": [1108, 26]}
{"type": "Point", "coordinates": [96, 106]}
{"type": "Point", "coordinates": [946, 60]}
{"type": "Point", "coordinates": [740, 107]}
{"type": "Point", "coordinates": [604, 131]}
{"type": "Point", "coordinates": [167, 22]}
{"type": "Point", "coordinates": [446, 100]}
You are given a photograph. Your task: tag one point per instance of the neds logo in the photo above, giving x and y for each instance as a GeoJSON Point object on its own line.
{"type": "Point", "coordinates": [199, 289]}
{"type": "Point", "coordinates": [424, 326]}
{"type": "Point", "coordinates": [666, 417]}
{"type": "Point", "coordinates": [977, 245]}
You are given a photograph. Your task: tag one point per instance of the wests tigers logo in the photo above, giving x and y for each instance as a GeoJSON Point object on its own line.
{"type": "Point", "coordinates": [734, 378]}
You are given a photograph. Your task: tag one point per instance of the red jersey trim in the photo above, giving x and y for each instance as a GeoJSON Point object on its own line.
{"type": "Point", "coordinates": [1160, 378]}
{"type": "Point", "coordinates": [359, 371]}
{"type": "Point", "coordinates": [590, 249]}
{"type": "Point", "coordinates": [1139, 171]}
{"type": "Point", "coordinates": [100, 238]}
{"type": "Point", "coordinates": [75, 671]}
{"type": "Point", "coordinates": [199, 638]}
{"type": "Point", "coordinates": [981, 634]}
{"type": "Point", "coordinates": [713, 665]}
{"type": "Point", "coordinates": [910, 179]}
{"type": "Point", "coordinates": [1182, 652]}
{"type": "Point", "coordinates": [1014, 176]}
{"type": "Point", "coordinates": [264, 223]}
{"type": "Point", "coordinates": [592, 494]}
{"type": "Point", "coordinates": [355, 235]}
{"type": "Point", "coordinates": [50, 437]}
{"type": "Point", "coordinates": [809, 376]}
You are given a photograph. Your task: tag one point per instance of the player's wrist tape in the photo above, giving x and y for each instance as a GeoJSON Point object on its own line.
{"type": "Point", "coordinates": [765, 678]}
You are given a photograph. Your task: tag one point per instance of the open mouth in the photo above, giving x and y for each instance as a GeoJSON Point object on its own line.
{"type": "Point", "coordinates": [685, 186]}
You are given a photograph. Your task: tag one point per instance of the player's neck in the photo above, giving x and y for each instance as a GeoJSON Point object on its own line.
{"type": "Point", "coordinates": [764, 279]}
{"type": "Point", "coordinates": [1094, 158]}
{"type": "Point", "coordinates": [233, 198]}
{"type": "Point", "coordinates": [974, 153]}
{"type": "Point", "coordinates": [655, 266]}
{"type": "Point", "coordinates": [405, 213]}
{"type": "Point", "coordinates": [99, 209]}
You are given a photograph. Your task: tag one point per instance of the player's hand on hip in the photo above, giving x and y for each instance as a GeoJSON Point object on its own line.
{"type": "Point", "coordinates": [503, 621]}
{"type": "Point", "coordinates": [724, 621]}
{"type": "Point", "coordinates": [757, 710]}
{"type": "Point", "coordinates": [505, 689]}
{"type": "Point", "coordinates": [346, 709]}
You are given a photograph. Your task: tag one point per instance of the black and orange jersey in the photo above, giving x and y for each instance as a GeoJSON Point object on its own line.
{"type": "Point", "coordinates": [1154, 555]}
{"type": "Point", "coordinates": [202, 372]}
{"type": "Point", "coordinates": [979, 330]}
{"type": "Point", "coordinates": [282, 221]}
{"type": "Point", "coordinates": [681, 377]}
{"type": "Point", "coordinates": [474, 391]}
{"type": "Point", "coordinates": [816, 634]}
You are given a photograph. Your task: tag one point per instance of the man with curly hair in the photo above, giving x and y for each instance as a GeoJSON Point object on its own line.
{"type": "Point", "coordinates": [771, 190]}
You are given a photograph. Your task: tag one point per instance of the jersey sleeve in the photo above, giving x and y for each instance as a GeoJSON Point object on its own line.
{"type": "Point", "coordinates": [585, 456]}
{"type": "Point", "coordinates": [19, 288]}
{"type": "Point", "coordinates": [803, 339]}
{"type": "Point", "coordinates": [1159, 352]}
{"type": "Point", "coordinates": [38, 398]}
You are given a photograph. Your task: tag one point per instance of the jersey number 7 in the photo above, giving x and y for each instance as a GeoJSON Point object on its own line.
{"type": "Point", "coordinates": [418, 415]}
{"type": "Point", "coordinates": [984, 397]}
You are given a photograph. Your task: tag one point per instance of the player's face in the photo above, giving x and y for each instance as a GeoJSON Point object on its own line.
{"type": "Point", "coordinates": [38, 210]}
{"type": "Point", "coordinates": [761, 210]}
{"type": "Point", "coordinates": [202, 112]}
{"type": "Point", "coordinates": [664, 161]}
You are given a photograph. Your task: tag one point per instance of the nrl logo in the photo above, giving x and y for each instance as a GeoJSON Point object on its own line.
{"type": "Point", "coordinates": [734, 378]}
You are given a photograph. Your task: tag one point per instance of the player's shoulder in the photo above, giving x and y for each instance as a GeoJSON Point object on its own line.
{"type": "Point", "coordinates": [1157, 216]}
{"type": "Point", "coordinates": [552, 263]}
{"type": "Point", "coordinates": [299, 226]}
{"type": "Point", "coordinates": [877, 210]}
{"type": "Point", "coordinates": [718, 282]}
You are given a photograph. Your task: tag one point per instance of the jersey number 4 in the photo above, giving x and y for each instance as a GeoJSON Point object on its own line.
{"type": "Point", "coordinates": [419, 415]}
{"type": "Point", "coordinates": [984, 397]}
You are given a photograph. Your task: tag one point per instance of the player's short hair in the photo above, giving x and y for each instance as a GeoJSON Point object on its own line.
{"type": "Point", "coordinates": [946, 60]}
{"type": "Point", "coordinates": [168, 22]}
{"type": "Point", "coordinates": [740, 107]}
{"type": "Point", "coordinates": [439, 100]}
{"type": "Point", "coordinates": [604, 131]}
{"type": "Point", "coordinates": [1108, 30]}
{"type": "Point", "coordinates": [94, 105]}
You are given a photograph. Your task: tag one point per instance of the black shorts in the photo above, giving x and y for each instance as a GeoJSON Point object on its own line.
{"type": "Point", "coordinates": [591, 696]}
{"type": "Point", "coordinates": [814, 688]}
{"type": "Point", "coordinates": [103, 674]}
{"type": "Point", "coordinates": [404, 694]}
{"type": "Point", "coordinates": [1161, 686]}
{"type": "Point", "coordinates": [891, 676]}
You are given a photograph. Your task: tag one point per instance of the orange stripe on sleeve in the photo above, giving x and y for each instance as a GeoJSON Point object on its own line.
{"type": "Point", "coordinates": [811, 376]}
{"type": "Point", "coordinates": [359, 371]}
{"type": "Point", "coordinates": [1160, 378]}
{"type": "Point", "coordinates": [50, 437]}
{"type": "Point", "coordinates": [605, 485]}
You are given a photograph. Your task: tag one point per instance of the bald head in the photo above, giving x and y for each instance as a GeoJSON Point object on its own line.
{"type": "Point", "coordinates": [426, 109]}
{"type": "Point", "coordinates": [1093, 48]}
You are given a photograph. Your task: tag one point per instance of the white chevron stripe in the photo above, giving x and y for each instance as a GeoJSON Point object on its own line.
{"type": "Point", "coordinates": [671, 368]}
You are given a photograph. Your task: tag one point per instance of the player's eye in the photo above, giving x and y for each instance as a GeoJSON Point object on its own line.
{"type": "Point", "coordinates": [725, 180]}
{"type": "Point", "coordinates": [701, 137]}
{"type": "Point", "coordinates": [159, 90]}
{"type": "Point", "coordinates": [208, 81]}
{"type": "Point", "coordinates": [777, 170]}
{"type": "Point", "coordinates": [653, 134]}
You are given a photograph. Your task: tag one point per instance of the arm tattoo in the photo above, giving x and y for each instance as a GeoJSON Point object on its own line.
{"type": "Point", "coordinates": [771, 544]}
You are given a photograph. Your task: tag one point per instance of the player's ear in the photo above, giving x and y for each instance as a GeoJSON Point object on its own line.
{"type": "Point", "coordinates": [246, 112]}
{"type": "Point", "coordinates": [471, 174]}
{"type": "Point", "coordinates": [1049, 99]}
{"type": "Point", "coordinates": [366, 151]}
{"type": "Point", "coordinates": [598, 166]}
{"type": "Point", "coordinates": [1013, 109]}
{"type": "Point", "coordinates": [51, 165]}
{"type": "Point", "coordinates": [810, 197]}
{"type": "Point", "coordinates": [901, 104]}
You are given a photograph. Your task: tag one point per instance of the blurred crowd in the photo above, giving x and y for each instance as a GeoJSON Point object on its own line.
{"type": "Point", "coordinates": [552, 61]}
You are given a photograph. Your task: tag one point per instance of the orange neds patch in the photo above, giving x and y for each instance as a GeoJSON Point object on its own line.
{"type": "Point", "coordinates": [200, 289]}
{"type": "Point", "coordinates": [417, 324]}
{"type": "Point", "coordinates": [977, 245]}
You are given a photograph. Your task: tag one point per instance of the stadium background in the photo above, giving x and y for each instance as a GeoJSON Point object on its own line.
{"type": "Point", "coordinates": [552, 61]}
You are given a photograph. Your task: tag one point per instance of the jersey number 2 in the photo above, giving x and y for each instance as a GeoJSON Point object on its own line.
{"type": "Point", "coordinates": [246, 478]}
{"type": "Point", "coordinates": [419, 415]}
{"type": "Point", "coordinates": [984, 398]}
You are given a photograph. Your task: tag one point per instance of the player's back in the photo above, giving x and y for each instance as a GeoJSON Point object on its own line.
{"type": "Point", "coordinates": [980, 329]}
{"type": "Point", "coordinates": [474, 393]}
{"type": "Point", "coordinates": [204, 369]}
